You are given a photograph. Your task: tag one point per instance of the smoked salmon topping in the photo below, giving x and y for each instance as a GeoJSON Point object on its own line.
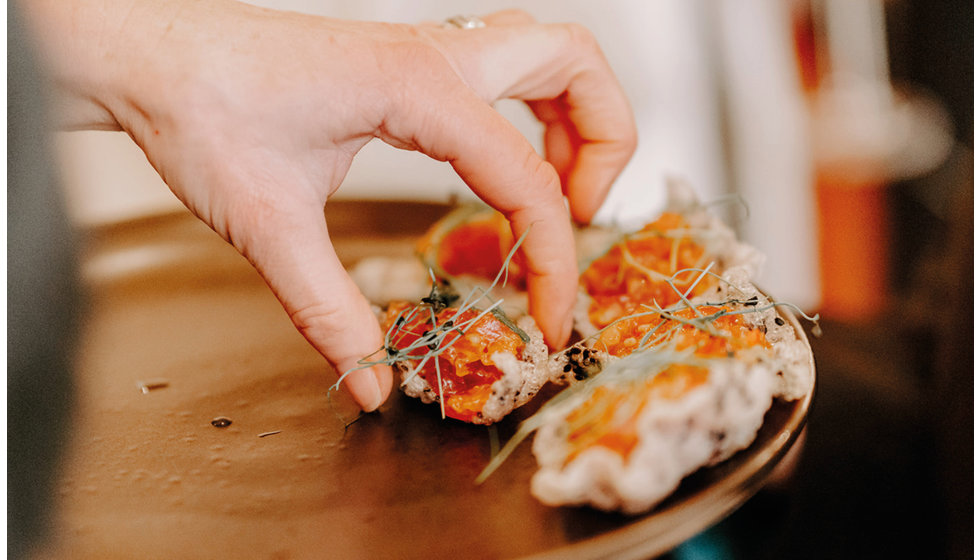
{"type": "Point", "coordinates": [641, 269]}
{"type": "Point", "coordinates": [724, 335]}
{"type": "Point", "coordinates": [460, 361]}
{"type": "Point", "coordinates": [609, 417]}
{"type": "Point", "coordinates": [476, 244]}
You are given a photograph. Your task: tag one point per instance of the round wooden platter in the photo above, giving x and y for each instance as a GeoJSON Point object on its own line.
{"type": "Point", "coordinates": [181, 331]}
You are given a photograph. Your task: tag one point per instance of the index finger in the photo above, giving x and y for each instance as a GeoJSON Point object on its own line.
{"type": "Point", "coordinates": [502, 168]}
{"type": "Point", "coordinates": [562, 73]}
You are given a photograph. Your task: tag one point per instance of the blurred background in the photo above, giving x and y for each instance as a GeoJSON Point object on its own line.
{"type": "Point", "coordinates": [846, 126]}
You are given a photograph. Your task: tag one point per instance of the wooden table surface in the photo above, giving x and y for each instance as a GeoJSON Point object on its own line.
{"type": "Point", "coordinates": [180, 330]}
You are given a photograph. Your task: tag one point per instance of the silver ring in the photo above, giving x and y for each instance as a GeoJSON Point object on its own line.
{"type": "Point", "coordinates": [464, 22]}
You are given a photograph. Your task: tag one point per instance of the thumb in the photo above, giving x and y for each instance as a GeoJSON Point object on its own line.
{"type": "Point", "coordinates": [294, 254]}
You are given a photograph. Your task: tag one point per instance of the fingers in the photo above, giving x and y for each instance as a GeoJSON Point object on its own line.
{"type": "Point", "coordinates": [591, 133]}
{"type": "Point", "coordinates": [526, 189]}
{"type": "Point", "coordinates": [501, 167]}
{"type": "Point", "coordinates": [587, 165]}
{"type": "Point", "coordinates": [562, 73]}
{"type": "Point", "coordinates": [291, 249]}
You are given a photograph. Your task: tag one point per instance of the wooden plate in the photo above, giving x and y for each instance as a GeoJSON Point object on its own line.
{"type": "Point", "coordinates": [181, 331]}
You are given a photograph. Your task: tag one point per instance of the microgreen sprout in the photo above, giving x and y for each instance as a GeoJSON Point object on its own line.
{"type": "Point", "coordinates": [733, 306]}
{"type": "Point", "coordinates": [731, 198]}
{"type": "Point", "coordinates": [439, 336]}
{"type": "Point", "coordinates": [676, 236]}
{"type": "Point", "coordinates": [753, 303]}
{"type": "Point", "coordinates": [494, 435]}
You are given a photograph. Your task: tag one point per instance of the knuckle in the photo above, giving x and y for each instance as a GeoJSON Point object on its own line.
{"type": "Point", "coordinates": [551, 267]}
{"type": "Point", "coordinates": [541, 190]}
{"type": "Point", "coordinates": [338, 328]}
{"type": "Point", "coordinates": [416, 51]}
{"type": "Point", "coordinates": [414, 68]}
{"type": "Point", "coordinates": [545, 179]}
{"type": "Point", "coordinates": [581, 37]}
{"type": "Point", "coordinates": [322, 321]}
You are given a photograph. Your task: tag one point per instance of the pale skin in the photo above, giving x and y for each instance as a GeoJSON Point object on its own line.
{"type": "Point", "coordinates": [252, 117]}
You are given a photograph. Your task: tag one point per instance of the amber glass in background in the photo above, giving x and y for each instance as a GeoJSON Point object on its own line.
{"type": "Point", "coordinates": [854, 261]}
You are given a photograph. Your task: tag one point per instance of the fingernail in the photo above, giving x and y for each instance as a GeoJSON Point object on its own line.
{"type": "Point", "coordinates": [566, 330]}
{"type": "Point", "coordinates": [366, 390]}
{"type": "Point", "coordinates": [561, 336]}
{"type": "Point", "coordinates": [376, 399]}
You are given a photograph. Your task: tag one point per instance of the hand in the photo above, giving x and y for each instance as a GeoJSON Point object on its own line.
{"type": "Point", "coordinates": [252, 117]}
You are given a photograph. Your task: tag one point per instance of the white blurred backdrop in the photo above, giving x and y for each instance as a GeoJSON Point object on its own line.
{"type": "Point", "coordinates": [714, 86]}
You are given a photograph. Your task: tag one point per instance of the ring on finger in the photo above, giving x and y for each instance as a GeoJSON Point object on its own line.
{"type": "Point", "coordinates": [464, 22]}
